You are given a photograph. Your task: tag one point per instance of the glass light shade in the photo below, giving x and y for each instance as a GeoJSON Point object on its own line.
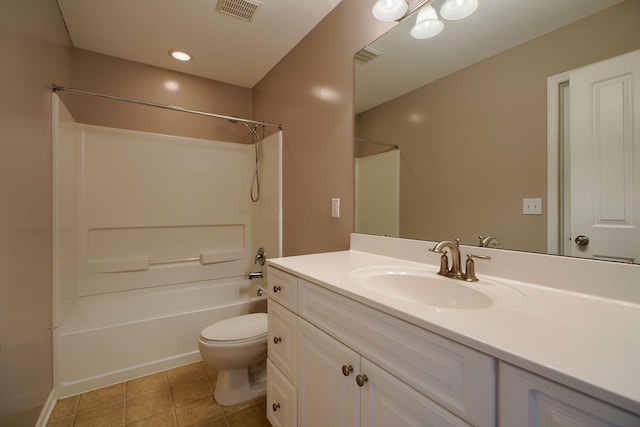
{"type": "Point", "coordinates": [458, 9]}
{"type": "Point", "coordinates": [427, 24]}
{"type": "Point", "coordinates": [390, 10]}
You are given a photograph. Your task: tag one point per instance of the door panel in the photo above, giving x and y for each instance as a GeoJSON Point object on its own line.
{"type": "Point", "coordinates": [326, 397]}
{"type": "Point", "coordinates": [605, 159]}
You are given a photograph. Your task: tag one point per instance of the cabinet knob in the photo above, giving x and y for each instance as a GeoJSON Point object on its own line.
{"type": "Point", "coordinates": [275, 407]}
{"type": "Point", "coordinates": [276, 340]}
{"type": "Point", "coordinates": [346, 370]}
{"type": "Point", "coordinates": [277, 288]}
{"type": "Point", "coordinates": [361, 379]}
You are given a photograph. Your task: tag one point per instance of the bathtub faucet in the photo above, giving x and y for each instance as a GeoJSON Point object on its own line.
{"type": "Point", "coordinates": [255, 275]}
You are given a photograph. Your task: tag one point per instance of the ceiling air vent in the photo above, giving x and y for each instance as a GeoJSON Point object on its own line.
{"type": "Point", "coordinates": [366, 55]}
{"type": "Point", "coordinates": [241, 9]}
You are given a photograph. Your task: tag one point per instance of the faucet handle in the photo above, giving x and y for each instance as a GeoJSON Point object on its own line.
{"type": "Point", "coordinates": [470, 269]}
{"type": "Point", "coordinates": [444, 264]}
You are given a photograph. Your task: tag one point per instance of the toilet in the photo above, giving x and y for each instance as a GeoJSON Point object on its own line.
{"type": "Point", "coordinates": [237, 348]}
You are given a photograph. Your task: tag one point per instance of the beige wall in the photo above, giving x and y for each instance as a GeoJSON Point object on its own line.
{"type": "Point", "coordinates": [99, 73]}
{"type": "Point", "coordinates": [482, 142]}
{"type": "Point", "coordinates": [311, 92]}
{"type": "Point", "coordinates": [36, 52]}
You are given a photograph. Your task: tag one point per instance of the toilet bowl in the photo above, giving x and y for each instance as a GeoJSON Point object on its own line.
{"type": "Point", "coordinates": [237, 348]}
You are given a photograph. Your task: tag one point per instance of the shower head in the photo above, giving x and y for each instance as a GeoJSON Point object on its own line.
{"type": "Point", "coordinates": [249, 128]}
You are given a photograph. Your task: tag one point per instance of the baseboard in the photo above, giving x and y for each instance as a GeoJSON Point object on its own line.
{"type": "Point", "coordinates": [47, 409]}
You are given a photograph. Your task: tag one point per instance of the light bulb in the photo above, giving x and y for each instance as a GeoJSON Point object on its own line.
{"type": "Point", "coordinates": [458, 9]}
{"type": "Point", "coordinates": [427, 24]}
{"type": "Point", "coordinates": [180, 56]}
{"type": "Point", "coordinates": [390, 10]}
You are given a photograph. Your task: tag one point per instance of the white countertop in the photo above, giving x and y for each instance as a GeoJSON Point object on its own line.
{"type": "Point", "coordinates": [586, 342]}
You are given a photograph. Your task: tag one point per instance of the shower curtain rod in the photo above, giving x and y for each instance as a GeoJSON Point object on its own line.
{"type": "Point", "coordinates": [57, 88]}
{"type": "Point", "coordinates": [368, 141]}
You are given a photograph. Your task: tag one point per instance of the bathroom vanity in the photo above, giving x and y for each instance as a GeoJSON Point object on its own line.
{"type": "Point", "coordinates": [363, 338]}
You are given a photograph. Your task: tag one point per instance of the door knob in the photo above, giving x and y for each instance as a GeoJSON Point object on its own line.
{"type": "Point", "coordinates": [581, 240]}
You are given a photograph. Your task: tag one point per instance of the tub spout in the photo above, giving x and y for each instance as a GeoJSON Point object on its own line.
{"type": "Point", "coordinates": [255, 275]}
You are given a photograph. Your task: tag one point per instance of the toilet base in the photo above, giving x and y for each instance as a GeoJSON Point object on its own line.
{"type": "Point", "coordinates": [240, 385]}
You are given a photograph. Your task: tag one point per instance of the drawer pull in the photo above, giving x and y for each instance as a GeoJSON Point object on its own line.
{"type": "Point", "coordinates": [361, 379]}
{"type": "Point", "coordinates": [346, 370]}
{"type": "Point", "coordinates": [276, 340]}
{"type": "Point", "coordinates": [275, 407]}
{"type": "Point", "coordinates": [277, 288]}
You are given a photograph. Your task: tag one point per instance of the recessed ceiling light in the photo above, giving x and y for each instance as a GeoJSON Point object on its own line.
{"type": "Point", "coordinates": [179, 55]}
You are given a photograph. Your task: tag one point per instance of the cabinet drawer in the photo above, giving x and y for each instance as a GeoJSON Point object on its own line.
{"type": "Point", "coordinates": [281, 399]}
{"type": "Point", "coordinates": [282, 343]}
{"type": "Point", "coordinates": [457, 377]}
{"type": "Point", "coordinates": [527, 399]}
{"type": "Point", "coordinates": [283, 287]}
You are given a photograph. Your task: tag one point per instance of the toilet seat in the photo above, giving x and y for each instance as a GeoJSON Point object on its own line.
{"type": "Point", "coordinates": [246, 328]}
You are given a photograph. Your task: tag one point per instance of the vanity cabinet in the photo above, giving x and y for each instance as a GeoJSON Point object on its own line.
{"type": "Point", "coordinates": [282, 348]}
{"type": "Point", "coordinates": [355, 365]}
{"type": "Point", "coordinates": [526, 398]}
{"type": "Point", "coordinates": [338, 387]}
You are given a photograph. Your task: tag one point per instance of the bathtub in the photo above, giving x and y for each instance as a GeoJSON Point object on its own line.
{"type": "Point", "coordinates": [110, 338]}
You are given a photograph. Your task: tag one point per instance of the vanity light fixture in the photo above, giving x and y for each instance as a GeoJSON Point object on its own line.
{"type": "Point", "coordinates": [390, 10]}
{"type": "Point", "coordinates": [427, 23]}
{"type": "Point", "coordinates": [453, 10]}
{"type": "Point", "coordinates": [179, 55]}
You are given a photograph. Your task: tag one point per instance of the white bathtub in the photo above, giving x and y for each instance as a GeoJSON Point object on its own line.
{"type": "Point", "coordinates": [115, 337]}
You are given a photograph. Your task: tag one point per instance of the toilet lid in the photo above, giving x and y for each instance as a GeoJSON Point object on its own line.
{"type": "Point", "coordinates": [237, 328]}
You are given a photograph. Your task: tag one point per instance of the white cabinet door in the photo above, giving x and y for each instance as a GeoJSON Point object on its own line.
{"type": "Point", "coordinates": [387, 401]}
{"type": "Point", "coordinates": [529, 400]}
{"type": "Point", "coordinates": [281, 399]}
{"type": "Point", "coordinates": [326, 397]}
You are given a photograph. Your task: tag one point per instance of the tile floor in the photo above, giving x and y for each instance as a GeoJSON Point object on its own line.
{"type": "Point", "coordinates": [178, 397]}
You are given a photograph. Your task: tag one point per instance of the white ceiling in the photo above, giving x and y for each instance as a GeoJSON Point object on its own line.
{"type": "Point", "coordinates": [496, 26]}
{"type": "Point", "coordinates": [224, 48]}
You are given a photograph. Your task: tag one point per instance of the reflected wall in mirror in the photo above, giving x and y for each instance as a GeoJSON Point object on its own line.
{"type": "Point", "coordinates": [468, 113]}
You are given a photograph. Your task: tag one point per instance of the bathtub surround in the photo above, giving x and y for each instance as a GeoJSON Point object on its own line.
{"type": "Point", "coordinates": [153, 239]}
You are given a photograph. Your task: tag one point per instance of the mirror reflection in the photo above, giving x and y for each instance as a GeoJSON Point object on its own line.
{"type": "Point", "coordinates": [480, 132]}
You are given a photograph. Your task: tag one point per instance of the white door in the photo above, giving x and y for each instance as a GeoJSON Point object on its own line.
{"type": "Point", "coordinates": [605, 160]}
{"type": "Point", "coordinates": [326, 397]}
{"type": "Point", "coordinates": [387, 401]}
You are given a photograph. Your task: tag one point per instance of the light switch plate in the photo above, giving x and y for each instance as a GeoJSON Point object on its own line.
{"type": "Point", "coordinates": [335, 208]}
{"type": "Point", "coordinates": [532, 206]}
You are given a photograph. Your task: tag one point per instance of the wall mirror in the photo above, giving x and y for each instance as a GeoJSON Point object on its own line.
{"type": "Point", "coordinates": [472, 132]}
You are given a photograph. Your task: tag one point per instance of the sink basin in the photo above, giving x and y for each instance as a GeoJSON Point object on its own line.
{"type": "Point", "coordinates": [424, 286]}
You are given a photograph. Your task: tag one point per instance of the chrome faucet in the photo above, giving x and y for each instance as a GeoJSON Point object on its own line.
{"type": "Point", "coordinates": [455, 271]}
{"type": "Point", "coordinates": [486, 241]}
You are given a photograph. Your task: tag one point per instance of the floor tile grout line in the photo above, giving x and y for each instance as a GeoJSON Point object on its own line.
{"type": "Point", "coordinates": [125, 397]}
